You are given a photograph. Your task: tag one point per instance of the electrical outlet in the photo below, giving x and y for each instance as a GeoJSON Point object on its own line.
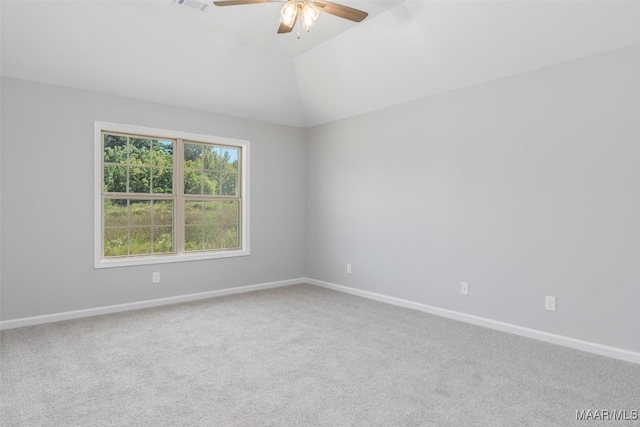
{"type": "Point", "coordinates": [349, 268]}
{"type": "Point", "coordinates": [464, 288]}
{"type": "Point", "coordinates": [550, 303]}
{"type": "Point", "coordinates": [156, 277]}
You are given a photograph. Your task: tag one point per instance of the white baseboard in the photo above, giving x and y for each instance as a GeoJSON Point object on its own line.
{"type": "Point", "coordinates": [603, 350]}
{"type": "Point", "coordinates": [600, 349]}
{"type": "Point", "coordinates": [76, 314]}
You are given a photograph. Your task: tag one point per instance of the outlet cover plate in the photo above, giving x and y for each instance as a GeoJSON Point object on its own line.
{"type": "Point", "coordinates": [550, 303]}
{"type": "Point", "coordinates": [464, 288]}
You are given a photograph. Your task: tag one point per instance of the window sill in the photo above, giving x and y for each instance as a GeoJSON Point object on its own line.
{"type": "Point", "coordinates": [165, 259]}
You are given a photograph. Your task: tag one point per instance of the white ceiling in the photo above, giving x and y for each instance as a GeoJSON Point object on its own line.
{"type": "Point", "coordinates": [231, 61]}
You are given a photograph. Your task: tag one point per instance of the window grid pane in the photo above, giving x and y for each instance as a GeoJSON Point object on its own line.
{"type": "Point", "coordinates": [147, 223]}
{"type": "Point", "coordinates": [212, 225]}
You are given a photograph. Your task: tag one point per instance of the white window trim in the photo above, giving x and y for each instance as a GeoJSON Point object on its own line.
{"type": "Point", "coordinates": [100, 262]}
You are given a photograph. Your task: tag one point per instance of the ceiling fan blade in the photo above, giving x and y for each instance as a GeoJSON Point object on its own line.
{"type": "Point", "coordinates": [342, 11]}
{"type": "Point", "coordinates": [237, 2]}
{"type": "Point", "coordinates": [282, 29]}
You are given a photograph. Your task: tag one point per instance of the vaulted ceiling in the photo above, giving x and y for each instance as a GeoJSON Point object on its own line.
{"type": "Point", "coordinates": [231, 61]}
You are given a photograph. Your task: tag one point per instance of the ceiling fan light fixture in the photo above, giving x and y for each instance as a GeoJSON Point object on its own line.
{"type": "Point", "coordinates": [310, 14]}
{"type": "Point", "coordinates": [288, 13]}
{"type": "Point", "coordinates": [305, 12]}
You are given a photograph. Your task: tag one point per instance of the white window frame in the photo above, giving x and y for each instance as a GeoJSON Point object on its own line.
{"type": "Point", "coordinates": [242, 145]}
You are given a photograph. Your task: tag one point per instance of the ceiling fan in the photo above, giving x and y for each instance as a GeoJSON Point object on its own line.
{"type": "Point", "coordinates": [303, 12]}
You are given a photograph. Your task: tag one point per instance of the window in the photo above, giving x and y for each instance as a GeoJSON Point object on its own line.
{"type": "Point", "coordinates": [166, 196]}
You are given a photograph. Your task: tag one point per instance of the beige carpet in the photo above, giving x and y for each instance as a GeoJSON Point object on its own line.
{"type": "Point", "coordinates": [298, 356]}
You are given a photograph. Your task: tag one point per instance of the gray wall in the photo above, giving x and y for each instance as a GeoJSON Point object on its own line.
{"type": "Point", "coordinates": [47, 203]}
{"type": "Point", "coordinates": [524, 187]}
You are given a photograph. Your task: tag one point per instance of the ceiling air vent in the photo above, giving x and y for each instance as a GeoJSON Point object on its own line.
{"type": "Point", "coordinates": [193, 4]}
